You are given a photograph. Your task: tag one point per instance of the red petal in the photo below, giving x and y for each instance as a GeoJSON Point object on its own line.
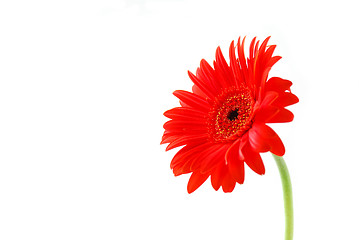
{"type": "Point", "coordinates": [180, 132]}
{"type": "Point", "coordinates": [217, 176]}
{"type": "Point", "coordinates": [253, 159]}
{"type": "Point", "coordinates": [186, 140]}
{"type": "Point", "coordinates": [267, 137]}
{"type": "Point", "coordinates": [273, 60]}
{"type": "Point", "coordinates": [209, 158]}
{"type": "Point", "coordinates": [196, 90]}
{"type": "Point", "coordinates": [215, 157]}
{"type": "Point", "coordinates": [233, 151]}
{"type": "Point", "coordinates": [252, 49]}
{"type": "Point", "coordinates": [286, 99]}
{"type": "Point", "coordinates": [181, 155]}
{"type": "Point", "coordinates": [179, 124]}
{"type": "Point", "coordinates": [167, 138]}
{"type": "Point", "coordinates": [236, 168]}
{"type": "Point", "coordinates": [209, 73]}
{"type": "Point", "coordinates": [266, 111]}
{"type": "Point", "coordinates": [263, 46]}
{"type": "Point", "coordinates": [208, 82]}
{"type": "Point", "coordinates": [222, 70]}
{"type": "Point", "coordinates": [268, 54]}
{"type": "Point", "coordinates": [183, 113]}
{"type": "Point", "coordinates": [269, 97]}
{"type": "Point", "coordinates": [205, 88]}
{"type": "Point", "coordinates": [183, 162]}
{"type": "Point", "coordinates": [278, 84]}
{"type": "Point", "coordinates": [228, 182]}
{"type": "Point", "coordinates": [192, 100]}
{"type": "Point", "coordinates": [277, 146]}
{"type": "Point", "coordinates": [283, 115]}
{"type": "Point", "coordinates": [263, 130]}
{"type": "Point", "coordinates": [195, 181]}
{"type": "Point", "coordinates": [185, 167]}
{"type": "Point", "coordinates": [172, 135]}
{"type": "Point", "coordinates": [256, 49]}
{"type": "Point", "coordinates": [257, 142]}
{"type": "Point", "coordinates": [234, 65]}
{"type": "Point", "coordinates": [235, 164]}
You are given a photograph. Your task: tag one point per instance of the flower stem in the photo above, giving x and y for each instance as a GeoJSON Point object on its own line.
{"type": "Point", "coordinates": [287, 196]}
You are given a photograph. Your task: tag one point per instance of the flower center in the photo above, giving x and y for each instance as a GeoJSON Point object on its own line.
{"type": "Point", "coordinates": [230, 115]}
{"type": "Point", "coordinates": [233, 115]}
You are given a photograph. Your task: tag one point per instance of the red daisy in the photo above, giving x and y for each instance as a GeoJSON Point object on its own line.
{"type": "Point", "coordinates": [223, 123]}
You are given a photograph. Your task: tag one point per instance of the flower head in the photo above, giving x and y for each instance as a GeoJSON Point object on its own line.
{"type": "Point", "coordinates": [222, 124]}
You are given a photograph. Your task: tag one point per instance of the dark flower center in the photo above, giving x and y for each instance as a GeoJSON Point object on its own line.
{"type": "Point", "coordinates": [232, 115]}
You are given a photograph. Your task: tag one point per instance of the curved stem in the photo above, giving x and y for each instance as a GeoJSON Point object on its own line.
{"type": "Point", "coordinates": [287, 196]}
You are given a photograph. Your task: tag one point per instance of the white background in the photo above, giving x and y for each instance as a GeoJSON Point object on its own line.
{"type": "Point", "coordinates": [83, 85]}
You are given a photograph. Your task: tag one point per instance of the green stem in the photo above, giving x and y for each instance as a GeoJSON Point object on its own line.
{"type": "Point", "coordinates": [287, 196]}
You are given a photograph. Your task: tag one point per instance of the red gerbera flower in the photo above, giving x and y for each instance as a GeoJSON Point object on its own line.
{"type": "Point", "coordinates": [223, 123]}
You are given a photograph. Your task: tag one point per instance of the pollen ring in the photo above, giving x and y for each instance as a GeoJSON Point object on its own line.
{"type": "Point", "coordinates": [230, 115]}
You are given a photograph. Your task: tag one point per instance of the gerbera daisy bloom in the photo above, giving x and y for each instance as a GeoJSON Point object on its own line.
{"type": "Point", "coordinates": [222, 123]}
